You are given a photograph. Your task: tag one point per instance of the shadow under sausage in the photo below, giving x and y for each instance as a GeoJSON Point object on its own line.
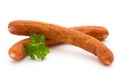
{"type": "Point", "coordinates": [65, 49]}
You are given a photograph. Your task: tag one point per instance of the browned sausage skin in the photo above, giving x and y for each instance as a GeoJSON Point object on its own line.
{"type": "Point", "coordinates": [98, 32]}
{"type": "Point", "coordinates": [16, 52]}
{"type": "Point", "coordinates": [64, 35]}
{"type": "Point", "coordinates": [95, 31]}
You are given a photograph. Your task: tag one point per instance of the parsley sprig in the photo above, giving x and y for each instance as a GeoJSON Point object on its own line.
{"type": "Point", "coordinates": [37, 48]}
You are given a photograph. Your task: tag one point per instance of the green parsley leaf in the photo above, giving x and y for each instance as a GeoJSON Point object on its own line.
{"type": "Point", "coordinates": [37, 48]}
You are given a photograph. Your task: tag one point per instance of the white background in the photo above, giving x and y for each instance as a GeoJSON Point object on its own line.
{"type": "Point", "coordinates": [64, 62]}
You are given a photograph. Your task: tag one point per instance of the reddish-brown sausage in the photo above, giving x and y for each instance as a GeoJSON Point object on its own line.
{"type": "Point", "coordinates": [16, 52]}
{"type": "Point", "coordinates": [64, 35]}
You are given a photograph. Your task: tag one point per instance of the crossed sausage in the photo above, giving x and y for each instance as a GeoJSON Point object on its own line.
{"type": "Point", "coordinates": [78, 36]}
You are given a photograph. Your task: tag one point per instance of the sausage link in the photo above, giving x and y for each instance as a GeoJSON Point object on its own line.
{"type": "Point", "coordinates": [16, 52]}
{"type": "Point", "coordinates": [64, 35]}
{"type": "Point", "coordinates": [98, 32]}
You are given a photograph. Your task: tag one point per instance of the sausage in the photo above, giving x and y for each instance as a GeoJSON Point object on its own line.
{"type": "Point", "coordinates": [62, 34]}
{"type": "Point", "coordinates": [98, 32]}
{"type": "Point", "coordinates": [16, 52]}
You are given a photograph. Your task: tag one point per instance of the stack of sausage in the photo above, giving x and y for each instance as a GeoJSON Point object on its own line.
{"type": "Point", "coordinates": [86, 37]}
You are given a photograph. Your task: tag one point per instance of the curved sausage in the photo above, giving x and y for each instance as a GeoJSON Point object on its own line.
{"type": "Point", "coordinates": [16, 52]}
{"type": "Point", "coordinates": [64, 35]}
